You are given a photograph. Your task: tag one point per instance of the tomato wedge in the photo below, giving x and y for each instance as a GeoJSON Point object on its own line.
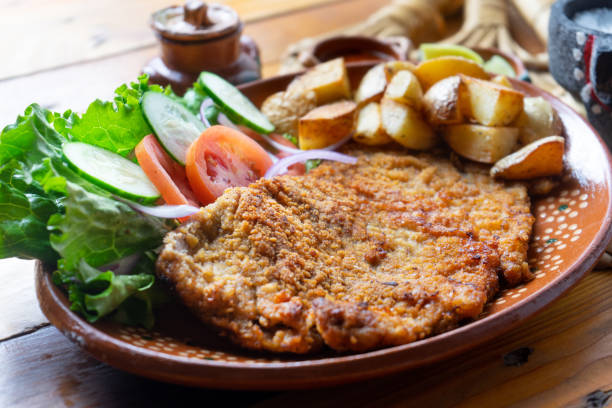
{"type": "Point", "coordinates": [223, 157]}
{"type": "Point", "coordinates": [167, 175]}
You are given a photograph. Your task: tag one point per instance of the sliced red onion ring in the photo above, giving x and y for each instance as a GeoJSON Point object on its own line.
{"type": "Point", "coordinates": [164, 211]}
{"type": "Point", "coordinates": [205, 104]}
{"type": "Point", "coordinates": [221, 118]}
{"type": "Point", "coordinates": [122, 266]}
{"type": "Point", "coordinates": [273, 157]}
{"type": "Point", "coordinates": [281, 166]}
{"type": "Point", "coordinates": [292, 150]}
{"type": "Point", "coordinates": [279, 146]}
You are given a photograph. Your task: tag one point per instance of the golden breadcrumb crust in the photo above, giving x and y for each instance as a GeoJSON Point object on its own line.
{"type": "Point", "coordinates": [385, 252]}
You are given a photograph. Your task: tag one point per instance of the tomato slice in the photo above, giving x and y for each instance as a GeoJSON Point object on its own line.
{"type": "Point", "coordinates": [167, 175]}
{"type": "Point", "coordinates": [223, 157]}
{"type": "Point", "coordinates": [278, 138]}
{"type": "Point", "coordinates": [297, 169]}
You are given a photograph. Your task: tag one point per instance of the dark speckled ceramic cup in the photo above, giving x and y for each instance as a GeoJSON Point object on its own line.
{"type": "Point", "coordinates": [581, 60]}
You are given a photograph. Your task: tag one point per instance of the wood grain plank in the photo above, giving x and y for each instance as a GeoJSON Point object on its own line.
{"type": "Point", "coordinates": [572, 356]}
{"type": "Point", "coordinates": [77, 85]}
{"type": "Point", "coordinates": [73, 87]}
{"type": "Point", "coordinates": [20, 311]}
{"type": "Point", "coordinates": [44, 369]}
{"type": "Point", "coordinates": [51, 34]}
{"type": "Point", "coordinates": [278, 32]}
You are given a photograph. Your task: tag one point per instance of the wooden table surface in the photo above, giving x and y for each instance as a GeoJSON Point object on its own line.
{"type": "Point", "coordinates": [65, 53]}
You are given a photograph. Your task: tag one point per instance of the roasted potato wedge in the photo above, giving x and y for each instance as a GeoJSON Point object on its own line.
{"type": "Point", "coordinates": [405, 88]}
{"type": "Point", "coordinates": [492, 104]}
{"type": "Point", "coordinates": [284, 109]}
{"type": "Point", "coordinates": [369, 129]}
{"type": "Point", "coordinates": [404, 125]}
{"type": "Point", "coordinates": [502, 80]}
{"type": "Point", "coordinates": [446, 101]}
{"type": "Point", "coordinates": [483, 144]}
{"type": "Point", "coordinates": [541, 158]}
{"type": "Point", "coordinates": [393, 67]}
{"type": "Point", "coordinates": [537, 120]}
{"type": "Point", "coordinates": [326, 125]}
{"type": "Point", "coordinates": [372, 86]}
{"type": "Point", "coordinates": [329, 81]}
{"type": "Point", "coordinates": [431, 71]}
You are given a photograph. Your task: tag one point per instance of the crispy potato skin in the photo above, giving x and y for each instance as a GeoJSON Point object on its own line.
{"type": "Point", "coordinates": [284, 109]}
{"type": "Point", "coordinates": [431, 71]}
{"type": "Point", "coordinates": [537, 120]}
{"type": "Point", "coordinates": [325, 125]}
{"type": "Point", "coordinates": [483, 144]}
{"type": "Point", "coordinates": [325, 83]}
{"type": "Point", "coordinates": [446, 101]}
{"type": "Point", "coordinates": [406, 126]}
{"type": "Point", "coordinates": [541, 158]}
{"type": "Point", "coordinates": [372, 86]}
{"type": "Point", "coordinates": [502, 80]}
{"type": "Point", "coordinates": [369, 129]}
{"type": "Point", "coordinates": [328, 80]}
{"type": "Point", "coordinates": [355, 257]}
{"type": "Point", "coordinates": [393, 67]}
{"type": "Point", "coordinates": [491, 104]}
{"type": "Point", "coordinates": [405, 88]}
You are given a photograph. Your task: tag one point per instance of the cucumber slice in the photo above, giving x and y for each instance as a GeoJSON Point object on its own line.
{"type": "Point", "coordinates": [110, 171]}
{"type": "Point", "coordinates": [499, 65]}
{"type": "Point", "coordinates": [175, 126]}
{"type": "Point", "coordinates": [430, 51]}
{"type": "Point", "coordinates": [234, 104]}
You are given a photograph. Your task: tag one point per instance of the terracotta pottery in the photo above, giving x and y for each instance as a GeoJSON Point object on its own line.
{"type": "Point", "coordinates": [355, 48]}
{"type": "Point", "coordinates": [201, 37]}
{"type": "Point", "coordinates": [571, 231]}
{"type": "Point", "coordinates": [581, 60]}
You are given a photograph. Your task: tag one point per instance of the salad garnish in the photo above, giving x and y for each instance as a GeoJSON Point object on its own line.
{"type": "Point", "coordinates": [72, 186]}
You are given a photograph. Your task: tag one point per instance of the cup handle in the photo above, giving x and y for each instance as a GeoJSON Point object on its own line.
{"type": "Point", "coordinates": [600, 71]}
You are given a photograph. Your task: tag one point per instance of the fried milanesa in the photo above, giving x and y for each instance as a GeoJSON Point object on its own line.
{"type": "Point", "coordinates": [384, 252]}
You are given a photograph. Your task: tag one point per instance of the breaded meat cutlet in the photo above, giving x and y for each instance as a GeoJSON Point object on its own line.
{"type": "Point", "coordinates": [384, 252]}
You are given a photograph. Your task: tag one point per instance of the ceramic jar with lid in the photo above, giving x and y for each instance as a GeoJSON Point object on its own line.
{"type": "Point", "coordinates": [201, 37]}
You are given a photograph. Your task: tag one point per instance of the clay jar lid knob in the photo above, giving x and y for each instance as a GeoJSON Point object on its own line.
{"type": "Point", "coordinates": [196, 21]}
{"type": "Point", "coordinates": [196, 14]}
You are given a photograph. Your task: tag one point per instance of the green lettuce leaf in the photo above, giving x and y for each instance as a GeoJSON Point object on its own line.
{"type": "Point", "coordinates": [47, 211]}
{"type": "Point", "coordinates": [100, 230]}
{"type": "Point", "coordinates": [31, 139]}
{"type": "Point", "coordinates": [24, 211]}
{"type": "Point", "coordinates": [138, 308]}
{"type": "Point", "coordinates": [96, 230]}
{"type": "Point", "coordinates": [119, 125]}
{"type": "Point", "coordinates": [25, 207]}
{"type": "Point", "coordinates": [95, 294]}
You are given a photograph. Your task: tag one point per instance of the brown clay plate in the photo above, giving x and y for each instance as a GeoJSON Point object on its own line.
{"type": "Point", "coordinates": [571, 231]}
